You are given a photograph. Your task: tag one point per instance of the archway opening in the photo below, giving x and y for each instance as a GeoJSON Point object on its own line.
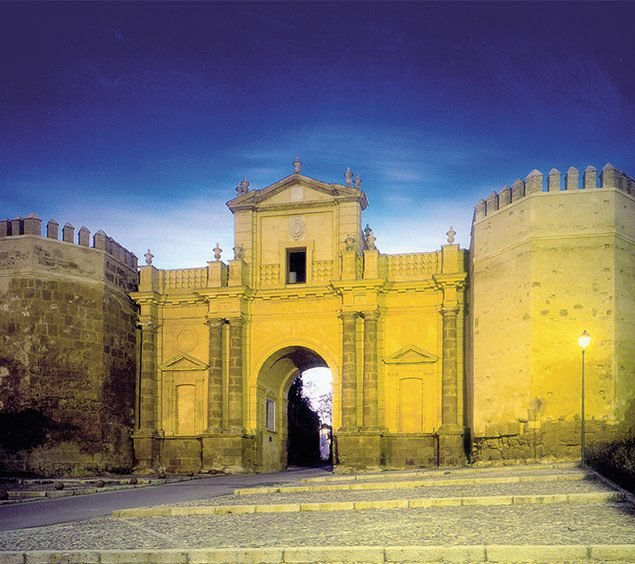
{"type": "Point", "coordinates": [309, 417]}
{"type": "Point", "coordinates": [291, 395]}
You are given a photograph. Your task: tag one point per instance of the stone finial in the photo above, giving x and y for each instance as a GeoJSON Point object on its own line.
{"type": "Point", "coordinates": [217, 251]}
{"type": "Point", "coordinates": [349, 242]}
{"type": "Point", "coordinates": [451, 235]}
{"type": "Point", "coordinates": [297, 165]}
{"type": "Point", "coordinates": [243, 187]}
{"type": "Point", "coordinates": [348, 176]}
{"type": "Point", "coordinates": [358, 182]}
{"type": "Point", "coordinates": [148, 256]}
{"type": "Point", "coordinates": [370, 238]}
{"type": "Point", "coordinates": [239, 252]}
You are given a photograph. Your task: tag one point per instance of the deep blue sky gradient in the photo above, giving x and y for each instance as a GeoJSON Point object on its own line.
{"type": "Point", "coordinates": [141, 118]}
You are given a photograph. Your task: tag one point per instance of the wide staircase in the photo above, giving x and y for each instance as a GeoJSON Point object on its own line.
{"type": "Point", "coordinates": [540, 513]}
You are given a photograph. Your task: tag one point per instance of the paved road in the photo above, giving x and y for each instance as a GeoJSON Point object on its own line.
{"type": "Point", "coordinates": [49, 512]}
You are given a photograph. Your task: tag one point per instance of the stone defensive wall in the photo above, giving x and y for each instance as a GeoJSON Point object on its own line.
{"type": "Point", "coordinates": [68, 352]}
{"type": "Point", "coordinates": [549, 260]}
{"type": "Point", "coordinates": [609, 177]}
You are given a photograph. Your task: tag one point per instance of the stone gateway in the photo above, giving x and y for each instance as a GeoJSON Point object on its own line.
{"type": "Point", "coordinates": [435, 356]}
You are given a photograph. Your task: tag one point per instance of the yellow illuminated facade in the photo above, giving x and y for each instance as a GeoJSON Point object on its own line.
{"type": "Point", "coordinates": [552, 257]}
{"type": "Point", "coordinates": [434, 355]}
{"type": "Point", "coordinates": [220, 345]}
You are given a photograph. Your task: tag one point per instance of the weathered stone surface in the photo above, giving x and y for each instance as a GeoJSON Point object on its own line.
{"type": "Point", "coordinates": [66, 358]}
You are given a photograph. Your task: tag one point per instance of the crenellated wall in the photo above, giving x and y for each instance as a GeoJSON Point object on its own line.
{"type": "Point", "coordinates": [609, 177]}
{"type": "Point", "coordinates": [68, 349]}
{"type": "Point", "coordinates": [549, 260]}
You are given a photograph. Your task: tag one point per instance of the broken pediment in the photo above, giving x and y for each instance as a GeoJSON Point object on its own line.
{"type": "Point", "coordinates": [183, 362]}
{"type": "Point", "coordinates": [296, 189]}
{"type": "Point", "coordinates": [411, 354]}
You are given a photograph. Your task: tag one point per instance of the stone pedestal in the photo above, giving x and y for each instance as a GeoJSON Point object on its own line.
{"type": "Point", "coordinates": [451, 449]}
{"type": "Point", "coordinates": [146, 452]}
{"type": "Point", "coordinates": [359, 450]}
{"type": "Point", "coordinates": [228, 452]}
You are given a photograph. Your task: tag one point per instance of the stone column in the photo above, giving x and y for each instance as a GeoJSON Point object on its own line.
{"type": "Point", "coordinates": [451, 449]}
{"type": "Point", "coordinates": [449, 402]}
{"type": "Point", "coordinates": [349, 370]}
{"type": "Point", "coordinates": [215, 376]}
{"type": "Point", "coordinates": [147, 388]}
{"type": "Point", "coordinates": [235, 419]}
{"type": "Point", "coordinates": [370, 392]}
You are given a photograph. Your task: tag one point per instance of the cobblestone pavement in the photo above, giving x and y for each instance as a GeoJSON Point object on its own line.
{"type": "Point", "coordinates": [548, 524]}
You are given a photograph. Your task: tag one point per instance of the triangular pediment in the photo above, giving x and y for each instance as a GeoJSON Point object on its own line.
{"type": "Point", "coordinates": [296, 189]}
{"type": "Point", "coordinates": [183, 362]}
{"type": "Point", "coordinates": [411, 354]}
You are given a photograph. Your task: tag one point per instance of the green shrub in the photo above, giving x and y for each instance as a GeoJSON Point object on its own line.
{"type": "Point", "coordinates": [616, 461]}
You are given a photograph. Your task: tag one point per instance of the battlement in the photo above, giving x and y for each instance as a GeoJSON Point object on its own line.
{"type": "Point", "coordinates": [32, 225]}
{"type": "Point", "coordinates": [609, 177]}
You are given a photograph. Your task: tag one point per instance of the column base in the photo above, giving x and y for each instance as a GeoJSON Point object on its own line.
{"type": "Point", "coordinates": [451, 447]}
{"type": "Point", "coordinates": [146, 446]}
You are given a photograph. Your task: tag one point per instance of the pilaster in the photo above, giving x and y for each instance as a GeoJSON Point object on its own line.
{"type": "Point", "coordinates": [215, 376]}
{"type": "Point", "coordinates": [235, 387]}
{"type": "Point", "coordinates": [370, 391]}
{"type": "Point", "coordinates": [349, 370]}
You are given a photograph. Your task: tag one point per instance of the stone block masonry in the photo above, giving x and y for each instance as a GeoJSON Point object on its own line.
{"type": "Point", "coordinates": [67, 350]}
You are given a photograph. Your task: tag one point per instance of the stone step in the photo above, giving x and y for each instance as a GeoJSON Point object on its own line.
{"type": "Point", "coordinates": [415, 483]}
{"type": "Point", "coordinates": [374, 554]}
{"type": "Point", "coordinates": [174, 511]}
{"type": "Point", "coordinates": [408, 474]}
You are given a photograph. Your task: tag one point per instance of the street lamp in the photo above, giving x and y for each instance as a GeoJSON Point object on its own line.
{"type": "Point", "coordinates": [583, 340]}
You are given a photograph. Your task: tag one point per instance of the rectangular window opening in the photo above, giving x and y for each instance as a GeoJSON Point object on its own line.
{"type": "Point", "coordinates": [296, 266]}
{"type": "Point", "coordinates": [270, 415]}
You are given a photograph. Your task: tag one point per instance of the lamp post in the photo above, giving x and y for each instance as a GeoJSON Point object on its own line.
{"type": "Point", "coordinates": [583, 341]}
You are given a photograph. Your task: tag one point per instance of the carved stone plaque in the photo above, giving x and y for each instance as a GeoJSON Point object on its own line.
{"type": "Point", "coordinates": [296, 227]}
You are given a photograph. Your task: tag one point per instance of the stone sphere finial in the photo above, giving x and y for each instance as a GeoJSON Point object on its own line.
{"type": "Point", "coordinates": [348, 175]}
{"type": "Point", "coordinates": [148, 256]}
{"type": "Point", "coordinates": [358, 182]}
{"type": "Point", "coordinates": [217, 251]}
{"type": "Point", "coordinates": [297, 165]}
{"type": "Point", "coordinates": [451, 234]}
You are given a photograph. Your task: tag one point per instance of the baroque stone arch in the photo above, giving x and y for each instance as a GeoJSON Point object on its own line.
{"type": "Point", "coordinates": [273, 381]}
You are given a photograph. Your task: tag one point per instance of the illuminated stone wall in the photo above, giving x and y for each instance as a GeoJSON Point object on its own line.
{"type": "Point", "coordinates": [544, 267]}
{"type": "Point", "coordinates": [219, 342]}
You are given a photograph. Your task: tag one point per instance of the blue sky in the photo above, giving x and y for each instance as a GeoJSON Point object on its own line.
{"type": "Point", "coordinates": [141, 118]}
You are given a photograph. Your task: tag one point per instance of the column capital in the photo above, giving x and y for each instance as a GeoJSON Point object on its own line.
{"type": "Point", "coordinates": [372, 315]}
{"type": "Point", "coordinates": [348, 315]}
{"type": "Point", "coordinates": [148, 326]}
{"type": "Point", "coordinates": [237, 320]}
{"type": "Point", "coordinates": [450, 311]}
{"type": "Point", "coordinates": [214, 322]}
